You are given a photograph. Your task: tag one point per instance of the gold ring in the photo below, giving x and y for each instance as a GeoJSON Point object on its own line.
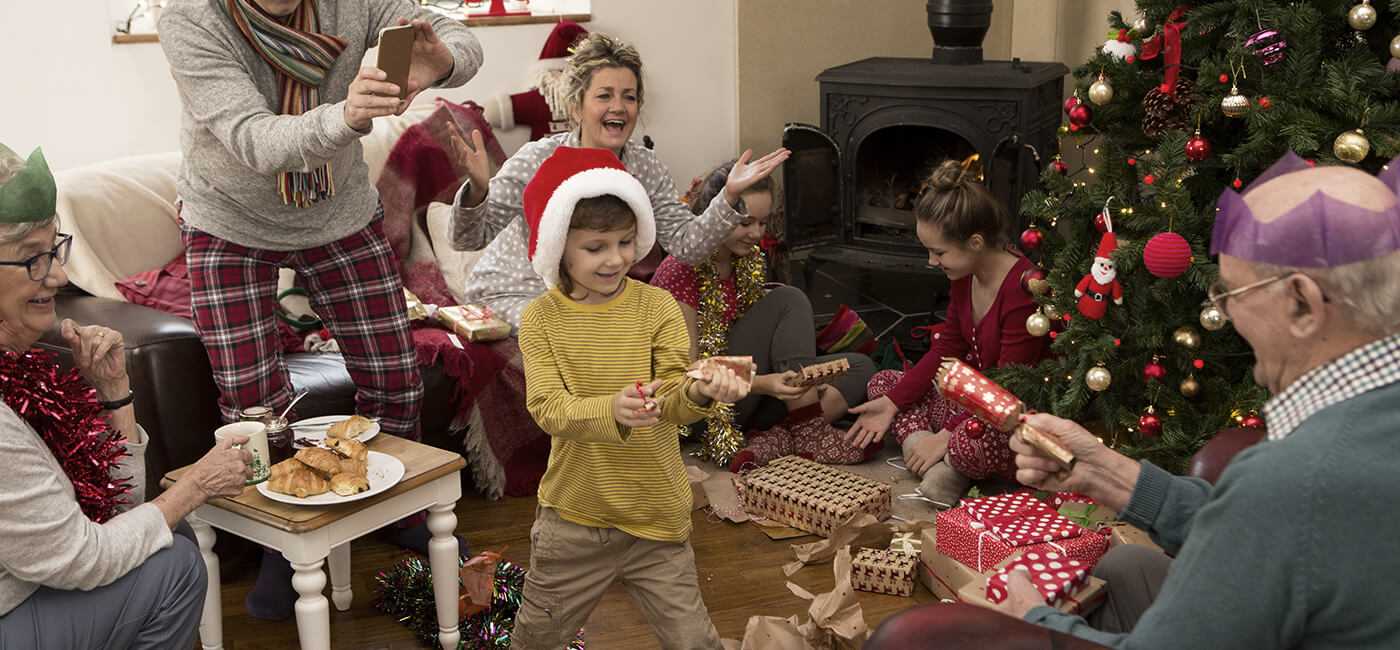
{"type": "Point", "coordinates": [102, 334]}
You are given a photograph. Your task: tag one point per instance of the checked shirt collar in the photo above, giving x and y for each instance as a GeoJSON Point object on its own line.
{"type": "Point", "coordinates": [1366, 368]}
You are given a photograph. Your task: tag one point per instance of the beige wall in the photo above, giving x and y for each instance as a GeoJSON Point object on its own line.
{"type": "Point", "coordinates": [783, 44]}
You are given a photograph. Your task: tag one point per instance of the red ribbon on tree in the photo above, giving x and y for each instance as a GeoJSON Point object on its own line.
{"type": "Point", "coordinates": [1170, 41]}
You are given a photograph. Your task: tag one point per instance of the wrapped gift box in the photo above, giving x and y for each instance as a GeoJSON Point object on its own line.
{"type": "Point", "coordinates": [883, 571]}
{"type": "Point", "coordinates": [1120, 533]}
{"type": "Point", "coordinates": [810, 496]}
{"type": "Point", "coordinates": [971, 542]}
{"type": "Point", "coordinates": [1080, 603]}
{"type": "Point", "coordinates": [1056, 576]}
{"type": "Point", "coordinates": [943, 575]}
{"type": "Point", "coordinates": [473, 323]}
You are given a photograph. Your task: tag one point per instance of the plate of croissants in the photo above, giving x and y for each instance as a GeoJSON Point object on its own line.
{"type": "Point", "coordinates": [343, 470]}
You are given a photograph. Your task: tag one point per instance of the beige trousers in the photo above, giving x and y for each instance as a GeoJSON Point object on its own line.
{"type": "Point", "coordinates": [571, 566]}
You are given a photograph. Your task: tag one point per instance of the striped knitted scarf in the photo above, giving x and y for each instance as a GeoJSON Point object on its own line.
{"type": "Point", "coordinates": [300, 56]}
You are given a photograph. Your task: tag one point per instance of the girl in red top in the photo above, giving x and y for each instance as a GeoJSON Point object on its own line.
{"type": "Point", "coordinates": [966, 232]}
{"type": "Point", "coordinates": [730, 311]}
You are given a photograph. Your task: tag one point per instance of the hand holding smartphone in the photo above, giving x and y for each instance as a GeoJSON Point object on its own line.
{"type": "Point", "coordinates": [396, 55]}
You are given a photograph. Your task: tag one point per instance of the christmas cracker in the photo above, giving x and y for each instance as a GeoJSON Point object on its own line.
{"type": "Point", "coordinates": [971, 390]}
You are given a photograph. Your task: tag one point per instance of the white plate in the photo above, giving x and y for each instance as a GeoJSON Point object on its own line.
{"type": "Point", "coordinates": [314, 429]}
{"type": "Point", "coordinates": [384, 471]}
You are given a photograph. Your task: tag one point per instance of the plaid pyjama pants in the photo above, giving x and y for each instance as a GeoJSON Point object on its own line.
{"type": "Point", "coordinates": [355, 288]}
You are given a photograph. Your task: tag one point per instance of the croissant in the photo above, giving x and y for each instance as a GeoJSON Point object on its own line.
{"type": "Point", "coordinates": [352, 466]}
{"type": "Point", "coordinates": [348, 484]}
{"type": "Point", "coordinates": [351, 427]}
{"type": "Point", "coordinates": [301, 483]}
{"type": "Point", "coordinates": [287, 467]}
{"type": "Point", "coordinates": [352, 449]}
{"type": "Point", "coordinates": [322, 460]}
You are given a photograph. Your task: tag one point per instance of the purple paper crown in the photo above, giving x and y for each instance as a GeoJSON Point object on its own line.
{"type": "Point", "coordinates": [1320, 232]}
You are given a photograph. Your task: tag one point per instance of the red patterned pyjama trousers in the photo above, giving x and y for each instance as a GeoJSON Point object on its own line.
{"type": "Point", "coordinates": [355, 288]}
{"type": "Point", "coordinates": [978, 458]}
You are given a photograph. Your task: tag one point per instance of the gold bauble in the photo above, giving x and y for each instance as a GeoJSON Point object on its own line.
{"type": "Point", "coordinates": [1362, 16]}
{"type": "Point", "coordinates": [1234, 104]}
{"type": "Point", "coordinates": [1351, 146]}
{"type": "Point", "coordinates": [1051, 311]}
{"type": "Point", "coordinates": [1395, 46]}
{"type": "Point", "coordinates": [1143, 27]}
{"type": "Point", "coordinates": [1098, 378]}
{"type": "Point", "coordinates": [1037, 324]}
{"type": "Point", "coordinates": [1212, 318]}
{"type": "Point", "coordinates": [1187, 336]}
{"type": "Point", "coordinates": [1190, 387]}
{"type": "Point", "coordinates": [1101, 91]}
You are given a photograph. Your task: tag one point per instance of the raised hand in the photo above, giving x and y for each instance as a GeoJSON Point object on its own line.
{"type": "Point", "coordinates": [746, 172]}
{"type": "Point", "coordinates": [100, 355]}
{"type": "Point", "coordinates": [875, 418]}
{"type": "Point", "coordinates": [472, 157]}
{"type": "Point", "coordinates": [630, 406]}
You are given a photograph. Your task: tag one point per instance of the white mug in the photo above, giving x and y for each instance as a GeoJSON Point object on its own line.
{"type": "Point", "coordinates": [256, 445]}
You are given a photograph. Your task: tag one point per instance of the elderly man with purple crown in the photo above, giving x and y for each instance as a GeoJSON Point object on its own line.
{"type": "Point", "coordinates": [1294, 546]}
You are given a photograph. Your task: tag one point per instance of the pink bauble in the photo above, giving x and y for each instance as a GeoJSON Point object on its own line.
{"type": "Point", "coordinates": [1059, 167]}
{"type": "Point", "coordinates": [1150, 424]}
{"type": "Point", "coordinates": [1071, 103]}
{"type": "Point", "coordinates": [1167, 255]}
{"type": "Point", "coordinates": [1080, 115]}
{"type": "Point", "coordinates": [1252, 421]}
{"type": "Point", "coordinates": [1032, 238]}
{"type": "Point", "coordinates": [1154, 372]}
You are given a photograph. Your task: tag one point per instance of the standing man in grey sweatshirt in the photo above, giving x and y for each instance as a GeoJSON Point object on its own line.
{"type": "Point", "coordinates": [274, 103]}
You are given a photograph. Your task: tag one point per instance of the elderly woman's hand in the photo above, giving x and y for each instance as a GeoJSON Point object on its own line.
{"type": "Point", "coordinates": [223, 471]}
{"type": "Point", "coordinates": [100, 355]}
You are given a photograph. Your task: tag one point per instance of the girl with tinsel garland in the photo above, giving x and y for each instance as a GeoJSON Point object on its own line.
{"type": "Point", "coordinates": [728, 310]}
{"type": "Point", "coordinates": [967, 233]}
{"type": "Point", "coordinates": [84, 563]}
{"type": "Point", "coordinates": [605, 373]}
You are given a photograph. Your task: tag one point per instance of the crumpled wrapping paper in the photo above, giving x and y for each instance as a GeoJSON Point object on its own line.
{"type": "Point", "coordinates": [835, 619]}
{"type": "Point", "coordinates": [862, 531]}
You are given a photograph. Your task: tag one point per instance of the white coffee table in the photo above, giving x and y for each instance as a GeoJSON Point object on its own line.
{"type": "Point", "coordinates": [308, 536]}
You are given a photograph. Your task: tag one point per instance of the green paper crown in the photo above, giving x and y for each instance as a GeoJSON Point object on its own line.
{"type": "Point", "coordinates": [31, 194]}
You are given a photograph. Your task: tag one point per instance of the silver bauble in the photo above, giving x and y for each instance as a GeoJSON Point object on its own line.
{"type": "Point", "coordinates": [1212, 318]}
{"type": "Point", "coordinates": [1362, 17]}
{"type": "Point", "coordinates": [1098, 378]}
{"type": "Point", "coordinates": [1101, 91]}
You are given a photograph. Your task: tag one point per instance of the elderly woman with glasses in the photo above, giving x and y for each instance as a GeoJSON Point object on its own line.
{"type": "Point", "coordinates": [83, 562]}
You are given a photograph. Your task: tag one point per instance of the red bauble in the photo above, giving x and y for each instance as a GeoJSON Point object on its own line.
{"type": "Point", "coordinates": [1197, 148]}
{"type": "Point", "coordinates": [1252, 421]}
{"type": "Point", "coordinates": [1080, 115]}
{"type": "Point", "coordinates": [974, 428]}
{"type": "Point", "coordinates": [1071, 103]}
{"type": "Point", "coordinates": [1237, 183]}
{"type": "Point", "coordinates": [1154, 372]}
{"type": "Point", "coordinates": [1059, 167]}
{"type": "Point", "coordinates": [1033, 281]}
{"type": "Point", "coordinates": [1264, 102]}
{"type": "Point", "coordinates": [1100, 224]}
{"type": "Point", "coordinates": [1132, 161]}
{"type": "Point", "coordinates": [1148, 179]}
{"type": "Point", "coordinates": [1032, 238]}
{"type": "Point", "coordinates": [1167, 255]}
{"type": "Point", "coordinates": [1149, 424]}
{"type": "Point", "coordinates": [1224, 78]}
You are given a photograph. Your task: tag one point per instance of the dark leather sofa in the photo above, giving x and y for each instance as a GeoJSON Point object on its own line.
{"type": "Point", "coordinates": [176, 399]}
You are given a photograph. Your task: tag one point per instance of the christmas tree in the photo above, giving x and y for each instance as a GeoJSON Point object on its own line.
{"type": "Point", "coordinates": [1180, 104]}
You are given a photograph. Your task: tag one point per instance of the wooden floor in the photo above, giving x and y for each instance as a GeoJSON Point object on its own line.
{"type": "Point", "coordinates": [740, 571]}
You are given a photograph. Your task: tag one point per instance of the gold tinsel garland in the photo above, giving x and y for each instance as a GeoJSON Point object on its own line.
{"type": "Point", "coordinates": [722, 440]}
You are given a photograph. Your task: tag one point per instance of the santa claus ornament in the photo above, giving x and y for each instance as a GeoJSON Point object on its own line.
{"type": "Point", "coordinates": [1101, 283]}
{"type": "Point", "coordinates": [545, 106]}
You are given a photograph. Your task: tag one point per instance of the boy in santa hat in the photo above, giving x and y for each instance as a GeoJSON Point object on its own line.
{"type": "Point", "coordinates": [1101, 283]}
{"type": "Point", "coordinates": [605, 370]}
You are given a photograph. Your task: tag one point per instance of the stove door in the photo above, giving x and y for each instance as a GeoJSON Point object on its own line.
{"type": "Point", "coordinates": [811, 188]}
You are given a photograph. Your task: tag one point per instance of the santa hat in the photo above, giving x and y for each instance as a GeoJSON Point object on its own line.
{"type": "Point", "coordinates": [1107, 245]}
{"type": "Point", "coordinates": [567, 176]}
{"type": "Point", "coordinates": [555, 53]}
{"type": "Point", "coordinates": [547, 99]}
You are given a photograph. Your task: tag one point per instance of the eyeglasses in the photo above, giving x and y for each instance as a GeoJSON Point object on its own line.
{"type": "Point", "coordinates": [40, 265]}
{"type": "Point", "coordinates": [1217, 297]}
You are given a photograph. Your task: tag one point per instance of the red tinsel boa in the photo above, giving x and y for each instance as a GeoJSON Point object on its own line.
{"type": "Point", "coordinates": [63, 409]}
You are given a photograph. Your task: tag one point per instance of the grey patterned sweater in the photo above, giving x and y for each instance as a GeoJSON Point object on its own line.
{"type": "Point", "coordinates": [235, 143]}
{"type": "Point", "coordinates": [503, 278]}
{"type": "Point", "coordinates": [46, 540]}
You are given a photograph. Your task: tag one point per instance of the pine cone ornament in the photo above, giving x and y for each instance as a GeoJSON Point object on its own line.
{"type": "Point", "coordinates": [1167, 114]}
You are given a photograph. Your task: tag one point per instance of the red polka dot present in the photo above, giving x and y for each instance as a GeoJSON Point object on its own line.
{"type": "Point", "coordinates": [975, 543]}
{"type": "Point", "coordinates": [884, 571]}
{"type": "Point", "coordinates": [1055, 575]}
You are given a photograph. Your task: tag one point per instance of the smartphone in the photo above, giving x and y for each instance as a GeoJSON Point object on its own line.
{"type": "Point", "coordinates": [396, 55]}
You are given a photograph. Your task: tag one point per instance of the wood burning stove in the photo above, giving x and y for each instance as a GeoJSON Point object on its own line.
{"type": "Point", "coordinates": [850, 183]}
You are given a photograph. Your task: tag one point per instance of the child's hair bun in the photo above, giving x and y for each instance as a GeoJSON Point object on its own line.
{"type": "Point", "coordinates": [948, 175]}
